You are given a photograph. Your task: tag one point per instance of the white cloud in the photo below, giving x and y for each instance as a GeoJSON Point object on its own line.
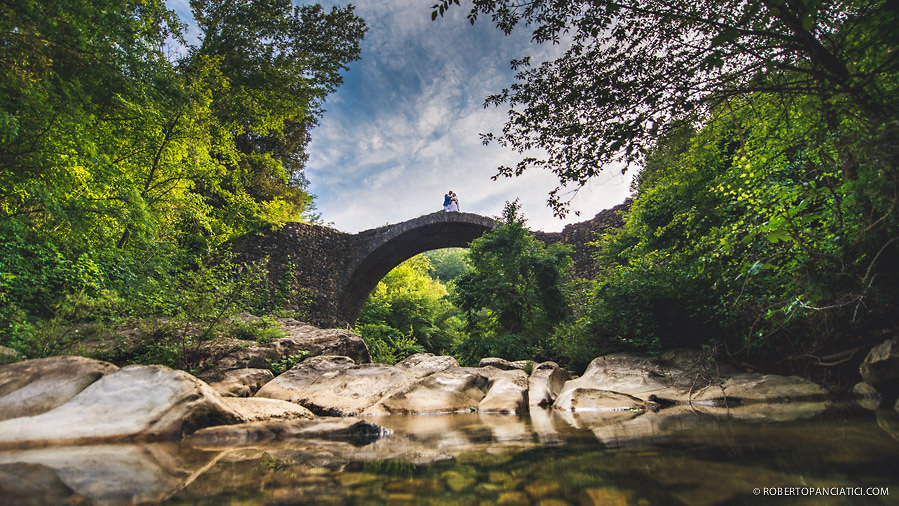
{"type": "Point", "coordinates": [405, 128]}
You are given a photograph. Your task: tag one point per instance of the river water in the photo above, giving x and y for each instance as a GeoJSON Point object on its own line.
{"type": "Point", "coordinates": [786, 454]}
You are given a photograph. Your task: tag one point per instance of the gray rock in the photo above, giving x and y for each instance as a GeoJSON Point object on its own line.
{"type": "Point", "coordinates": [660, 383]}
{"type": "Point", "coordinates": [255, 409]}
{"type": "Point", "coordinates": [866, 396]}
{"type": "Point", "coordinates": [35, 386]}
{"type": "Point", "coordinates": [422, 383]}
{"type": "Point", "coordinates": [545, 383]}
{"type": "Point", "coordinates": [635, 377]}
{"type": "Point", "coordinates": [501, 363]}
{"type": "Point", "coordinates": [593, 399]}
{"type": "Point", "coordinates": [134, 403]}
{"type": "Point", "coordinates": [762, 388]}
{"type": "Point", "coordinates": [451, 390]}
{"type": "Point", "coordinates": [507, 393]}
{"type": "Point", "coordinates": [337, 386]}
{"type": "Point", "coordinates": [301, 342]}
{"type": "Point", "coordinates": [880, 368]}
{"type": "Point", "coordinates": [242, 382]}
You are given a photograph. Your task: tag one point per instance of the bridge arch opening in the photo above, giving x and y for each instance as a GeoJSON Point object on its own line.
{"type": "Point", "coordinates": [393, 245]}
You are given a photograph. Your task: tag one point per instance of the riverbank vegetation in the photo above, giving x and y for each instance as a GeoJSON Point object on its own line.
{"type": "Point", "coordinates": [128, 157]}
{"type": "Point", "coordinates": [763, 137]}
{"type": "Point", "coordinates": [763, 226]}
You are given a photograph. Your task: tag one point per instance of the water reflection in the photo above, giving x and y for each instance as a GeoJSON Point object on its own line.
{"type": "Point", "coordinates": [677, 456]}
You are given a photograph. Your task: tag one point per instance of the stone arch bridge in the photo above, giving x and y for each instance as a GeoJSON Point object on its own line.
{"type": "Point", "coordinates": [328, 274]}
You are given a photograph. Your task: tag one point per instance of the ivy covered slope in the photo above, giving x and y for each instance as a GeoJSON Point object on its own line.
{"type": "Point", "coordinates": [124, 161]}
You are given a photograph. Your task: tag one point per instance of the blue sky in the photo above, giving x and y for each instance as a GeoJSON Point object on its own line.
{"type": "Point", "coordinates": [403, 129]}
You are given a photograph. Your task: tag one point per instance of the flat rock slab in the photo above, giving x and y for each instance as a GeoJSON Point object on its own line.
{"type": "Point", "coordinates": [134, 403]}
{"type": "Point", "coordinates": [762, 388]}
{"type": "Point", "coordinates": [33, 387]}
{"type": "Point", "coordinates": [254, 409]}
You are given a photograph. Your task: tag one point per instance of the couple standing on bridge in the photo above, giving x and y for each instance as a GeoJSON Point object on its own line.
{"type": "Point", "coordinates": [450, 202]}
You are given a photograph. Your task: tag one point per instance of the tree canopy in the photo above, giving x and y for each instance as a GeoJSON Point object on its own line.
{"type": "Point", "coordinates": [121, 161]}
{"type": "Point", "coordinates": [631, 69]}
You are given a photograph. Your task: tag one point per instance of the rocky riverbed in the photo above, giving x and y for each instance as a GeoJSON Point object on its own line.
{"type": "Point", "coordinates": [335, 403]}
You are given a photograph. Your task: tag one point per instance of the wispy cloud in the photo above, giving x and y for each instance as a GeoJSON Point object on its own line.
{"type": "Point", "coordinates": [405, 126]}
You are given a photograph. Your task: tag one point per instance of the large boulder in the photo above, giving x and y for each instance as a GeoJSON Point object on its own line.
{"type": "Point", "coordinates": [761, 388]}
{"type": "Point", "coordinates": [422, 383]}
{"type": "Point", "coordinates": [301, 342]}
{"type": "Point", "coordinates": [332, 385]}
{"type": "Point", "coordinates": [647, 383]}
{"type": "Point", "coordinates": [242, 382]}
{"type": "Point", "coordinates": [621, 373]}
{"type": "Point", "coordinates": [880, 368]}
{"type": "Point", "coordinates": [134, 403]}
{"type": "Point", "coordinates": [507, 393]}
{"type": "Point", "coordinates": [35, 386]}
{"type": "Point", "coordinates": [335, 385]}
{"type": "Point", "coordinates": [545, 383]}
{"type": "Point", "coordinates": [451, 390]}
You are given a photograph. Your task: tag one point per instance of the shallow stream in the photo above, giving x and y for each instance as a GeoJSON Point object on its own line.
{"type": "Point", "coordinates": [791, 454]}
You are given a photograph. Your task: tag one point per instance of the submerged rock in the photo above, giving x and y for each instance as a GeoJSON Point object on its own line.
{"type": "Point", "coordinates": [33, 387]}
{"type": "Point", "coordinates": [134, 403]}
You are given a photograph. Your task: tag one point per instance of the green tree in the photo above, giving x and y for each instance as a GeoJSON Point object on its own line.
{"type": "Point", "coordinates": [120, 168]}
{"type": "Point", "coordinates": [448, 263]}
{"type": "Point", "coordinates": [514, 295]}
{"type": "Point", "coordinates": [280, 62]}
{"type": "Point", "coordinates": [633, 67]}
{"type": "Point", "coordinates": [408, 312]}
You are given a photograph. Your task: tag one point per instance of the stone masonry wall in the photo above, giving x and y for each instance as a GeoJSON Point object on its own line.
{"type": "Point", "coordinates": [323, 258]}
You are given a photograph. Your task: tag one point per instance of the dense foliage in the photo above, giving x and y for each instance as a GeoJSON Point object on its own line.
{"type": "Point", "coordinates": [407, 313]}
{"type": "Point", "coordinates": [514, 295]}
{"type": "Point", "coordinates": [764, 221]}
{"type": "Point", "coordinates": [122, 164]}
{"type": "Point", "coordinates": [632, 67]}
